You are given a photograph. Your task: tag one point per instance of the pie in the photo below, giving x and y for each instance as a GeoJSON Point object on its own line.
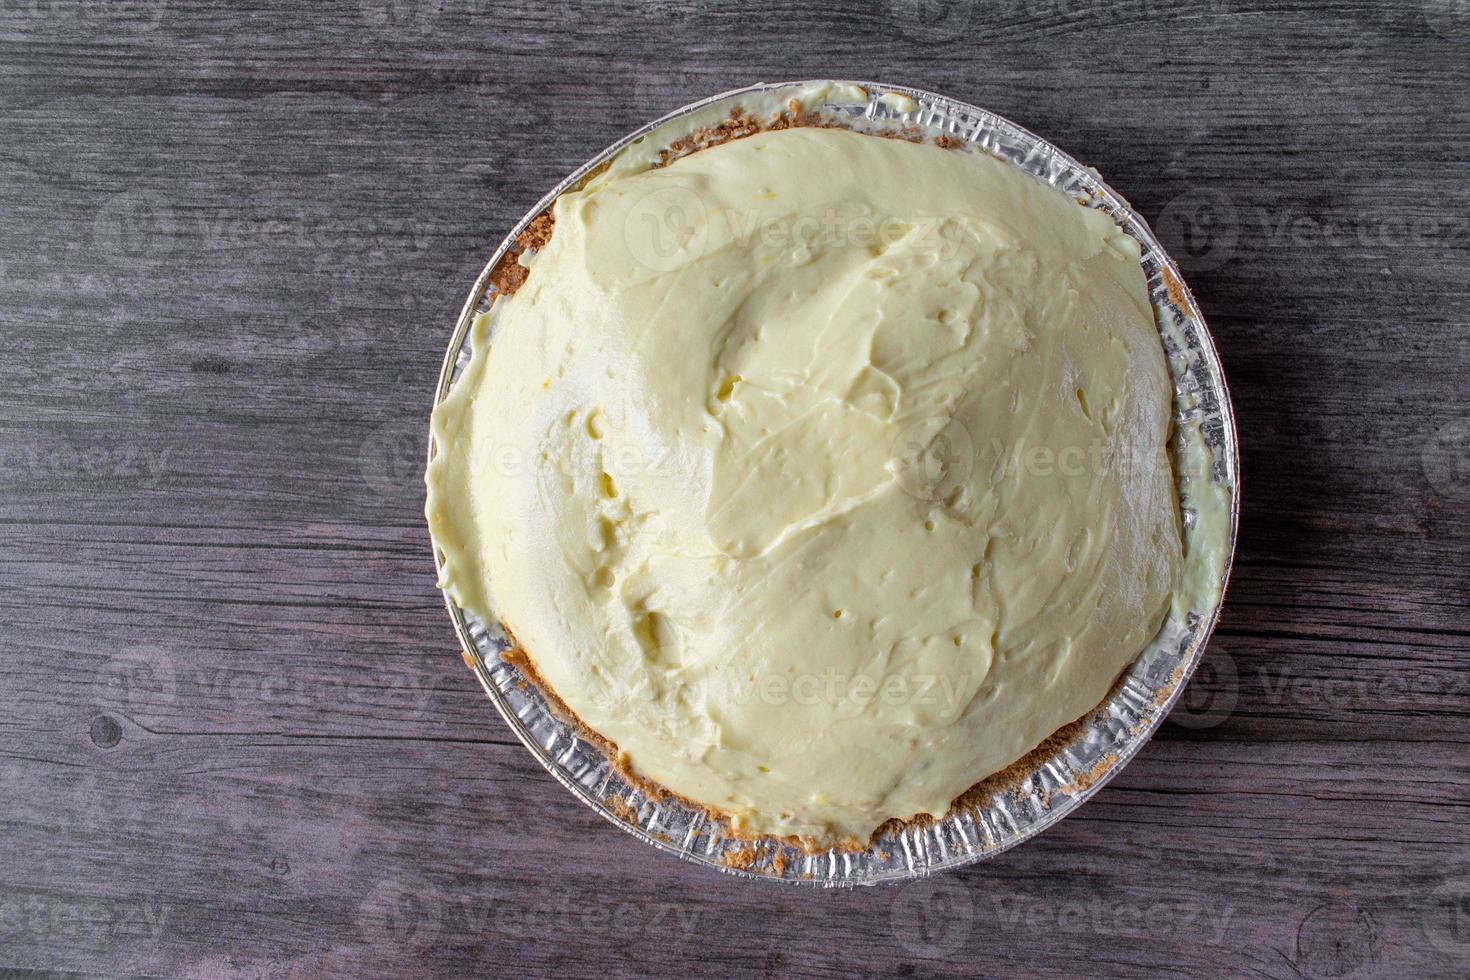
{"type": "Point", "coordinates": [819, 474]}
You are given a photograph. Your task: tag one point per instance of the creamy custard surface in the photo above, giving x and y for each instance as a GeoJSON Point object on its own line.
{"type": "Point", "coordinates": [822, 473]}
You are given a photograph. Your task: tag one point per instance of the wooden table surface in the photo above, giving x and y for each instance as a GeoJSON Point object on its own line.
{"type": "Point", "coordinates": [236, 737]}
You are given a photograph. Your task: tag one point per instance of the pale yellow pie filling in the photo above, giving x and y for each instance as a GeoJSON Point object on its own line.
{"type": "Point", "coordinates": [824, 474]}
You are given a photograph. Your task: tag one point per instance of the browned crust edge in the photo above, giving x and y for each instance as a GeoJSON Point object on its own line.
{"type": "Point", "coordinates": [507, 277]}
{"type": "Point", "coordinates": [1175, 290]}
{"type": "Point", "coordinates": [508, 274]}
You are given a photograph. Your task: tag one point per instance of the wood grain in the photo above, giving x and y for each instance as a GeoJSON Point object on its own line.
{"type": "Point", "coordinates": [236, 738]}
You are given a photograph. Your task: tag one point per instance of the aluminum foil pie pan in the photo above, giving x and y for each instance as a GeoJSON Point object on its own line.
{"type": "Point", "coordinates": [1068, 771]}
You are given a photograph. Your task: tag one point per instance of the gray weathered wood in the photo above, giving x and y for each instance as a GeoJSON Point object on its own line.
{"type": "Point", "coordinates": [236, 738]}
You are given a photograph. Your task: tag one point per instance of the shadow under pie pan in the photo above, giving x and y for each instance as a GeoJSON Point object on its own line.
{"type": "Point", "coordinates": [1058, 776]}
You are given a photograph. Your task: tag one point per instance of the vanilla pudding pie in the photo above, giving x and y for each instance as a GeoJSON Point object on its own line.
{"type": "Point", "coordinates": [822, 475]}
